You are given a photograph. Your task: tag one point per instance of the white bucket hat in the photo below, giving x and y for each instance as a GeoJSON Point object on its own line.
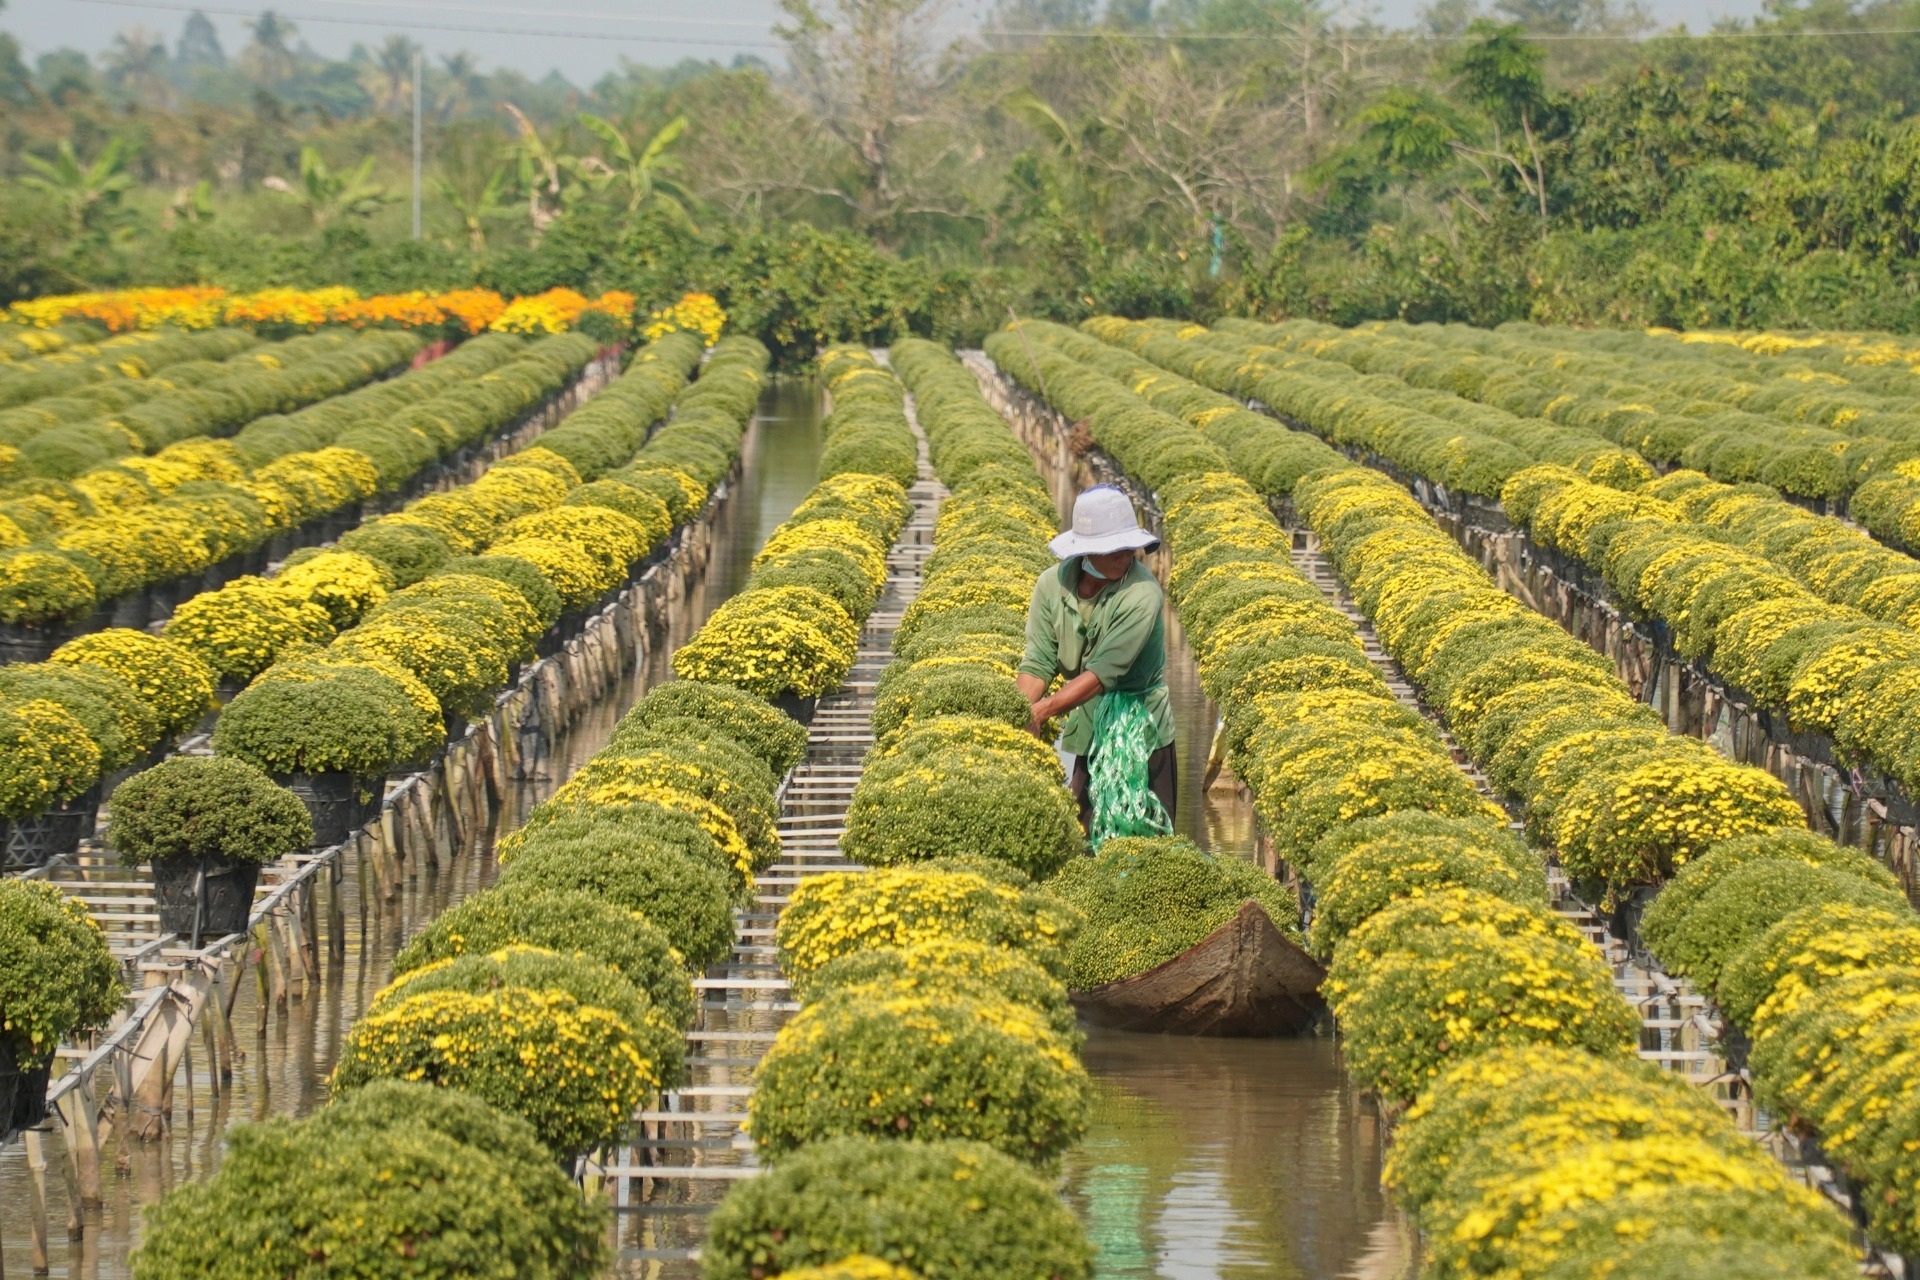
{"type": "Point", "coordinates": [1103, 522]}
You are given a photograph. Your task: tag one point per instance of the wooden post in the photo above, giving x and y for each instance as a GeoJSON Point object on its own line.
{"type": "Point", "coordinates": [37, 1199]}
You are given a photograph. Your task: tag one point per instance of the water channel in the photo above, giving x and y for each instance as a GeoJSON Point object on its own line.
{"type": "Point", "coordinates": [1206, 1158]}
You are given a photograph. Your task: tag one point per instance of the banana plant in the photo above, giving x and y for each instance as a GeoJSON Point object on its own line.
{"type": "Point", "coordinates": [476, 207]}
{"type": "Point", "coordinates": [645, 174]}
{"type": "Point", "coordinates": [328, 196]}
{"type": "Point", "coordinates": [89, 194]}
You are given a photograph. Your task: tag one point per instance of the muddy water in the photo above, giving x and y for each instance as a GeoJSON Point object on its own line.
{"type": "Point", "coordinates": [284, 1058]}
{"type": "Point", "coordinates": [1228, 1159]}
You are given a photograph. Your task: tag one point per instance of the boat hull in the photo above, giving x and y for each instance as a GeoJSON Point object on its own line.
{"type": "Point", "coordinates": [1246, 978]}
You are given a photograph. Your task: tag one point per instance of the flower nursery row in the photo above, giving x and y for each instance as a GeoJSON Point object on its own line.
{"type": "Point", "coordinates": [424, 615]}
{"type": "Point", "coordinates": [1535, 1144]}
{"type": "Point", "coordinates": [190, 400]}
{"type": "Point", "coordinates": [632, 868]}
{"type": "Point", "coordinates": [1800, 612]}
{"type": "Point", "coordinates": [523, 1028]}
{"type": "Point", "coordinates": [455, 314]}
{"type": "Point", "coordinates": [1770, 916]}
{"type": "Point", "coordinates": [912, 1110]}
{"type": "Point", "coordinates": [364, 655]}
{"type": "Point", "coordinates": [793, 631]}
{"type": "Point", "coordinates": [90, 378]}
{"type": "Point", "coordinates": [222, 498]}
{"type": "Point", "coordinates": [23, 342]}
{"type": "Point", "coordinates": [1810, 432]}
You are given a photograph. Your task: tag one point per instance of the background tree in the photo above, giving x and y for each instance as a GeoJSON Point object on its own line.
{"type": "Point", "coordinates": [329, 197]}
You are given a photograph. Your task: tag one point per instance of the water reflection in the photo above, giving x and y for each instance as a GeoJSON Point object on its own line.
{"type": "Point", "coordinates": [1231, 1158]}
{"type": "Point", "coordinates": [283, 1059]}
{"type": "Point", "coordinates": [1215, 1159]}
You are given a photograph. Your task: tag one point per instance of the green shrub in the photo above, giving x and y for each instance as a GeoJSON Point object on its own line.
{"type": "Point", "coordinates": [1696, 879]}
{"type": "Point", "coordinates": [401, 1200]}
{"type": "Point", "coordinates": [573, 1227]}
{"type": "Point", "coordinates": [657, 1029]}
{"type": "Point", "coordinates": [945, 967]}
{"type": "Point", "coordinates": [198, 807]}
{"type": "Point", "coordinates": [409, 551]}
{"type": "Point", "coordinates": [1146, 900]}
{"type": "Point", "coordinates": [574, 1071]}
{"type": "Point", "coordinates": [1421, 999]}
{"type": "Point", "coordinates": [56, 975]}
{"type": "Point", "coordinates": [920, 1068]}
{"type": "Point", "coordinates": [1804, 952]}
{"type": "Point", "coordinates": [770, 734]}
{"type": "Point", "coordinates": [944, 1210]}
{"type": "Point", "coordinates": [839, 913]}
{"type": "Point", "coordinates": [120, 722]}
{"type": "Point", "coordinates": [916, 692]}
{"type": "Point", "coordinates": [1745, 903]}
{"type": "Point", "coordinates": [1372, 875]}
{"type": "Point", "coordinates": [687, 899]}
{"type": "Point", "coordinates": [317, 726]}
{"type": "Point", "coordinates": [47, 757]}
{"type": "Point", "coordinates": [558, 920]}
{"type": "Point", "coordinates": [970, 800]}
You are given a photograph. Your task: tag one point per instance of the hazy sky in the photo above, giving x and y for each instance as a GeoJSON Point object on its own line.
{"type": "Point", "coordinates": [583, 38]}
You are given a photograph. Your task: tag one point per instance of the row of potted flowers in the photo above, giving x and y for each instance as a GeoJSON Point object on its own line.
{"type": "Point", "coordinates": [477, 577]}
{"type": "Point", "coordinates": [96, 377]}
{"type": "Point", "coordinates": [454, 314]}
{"type": "Point", "coordinates": [932, 1073]}
{"type": "Point", "coordinates": [1814, 429]}
{"type": "Point", "coordinates": [629, 873]}
{"type": "Point", "coordinates": [523, 1028]}
{"type": "Point", "coordinates": [1456, 990]}
{"type": "Point", "coordinates": [1799, 612]}
{"type": "Point", "coordinates": [1709, 586]}
{"type": "Point", "coordinates": [1836, 425]}
{"type": "Point", "coordinates": [1770, 923]}
{"type": "Point", "coordinates": [793, 631]}
{"type": "Point", "coordinates": [223, 499]}
{"type": "Point", "coordinates": [189, 402]}
{"type": "Point", "coordinates": [553, 545]}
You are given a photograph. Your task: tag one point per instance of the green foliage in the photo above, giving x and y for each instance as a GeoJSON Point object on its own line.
{"type": "Point", "coordinates": [944, 1210]}
{"type": "Point", "coordinates": [559, 920]}
{"type": "Point", "coordinates": [657, 1028]}
{"type": "Point", "coordinates": [195, 807]}
{"type": "Point", "coordinates": [56, 975]}
{"type": "Point", "coordinates": [968, 799]}
{"type": "Point", "coordinates": [395, 1187]}
{"type": "Point", "coordinates": [1146, 900]}
{"type": "Point", "coordinates": [943, 967]}
{"type": "Point", "coordinates": [686, 897]}
{"type": "Point", "coordinates": [889, 1065]}
{"type": "Point", "coordinates": [771, 734]}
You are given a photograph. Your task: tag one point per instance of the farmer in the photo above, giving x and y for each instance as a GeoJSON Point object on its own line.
{"type": "Point", "coordinates": [1096, 619]}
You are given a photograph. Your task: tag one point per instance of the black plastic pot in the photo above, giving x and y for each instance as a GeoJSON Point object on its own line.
{"type": "Point", "coordinates": [30, 1097]}
{"type": "Point", "coordinates": [33, 842]}
{"type": "Point", "coordinates": [22, 643]}
{"type": "Point", "coordinates": [332, 801]}
{"type": "Point", "coordinates": [801, 709]}
{"type": "Point", "coordinates": [9, 1085]}
{"type": "Point", "coordinates": [204, 897]}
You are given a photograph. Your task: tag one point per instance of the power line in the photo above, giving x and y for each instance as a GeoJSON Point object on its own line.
{"type": "Point", "coordinates": [1038, 34]}
{"type": "Point", "coordinates": [463, 28]}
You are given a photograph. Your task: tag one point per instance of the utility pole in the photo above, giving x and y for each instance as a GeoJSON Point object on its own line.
{"type": "Point", "coordinates": [416, 142]}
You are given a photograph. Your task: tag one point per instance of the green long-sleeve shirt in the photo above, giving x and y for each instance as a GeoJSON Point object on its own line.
{"type": "Point", "coordinates": [1119, 635]}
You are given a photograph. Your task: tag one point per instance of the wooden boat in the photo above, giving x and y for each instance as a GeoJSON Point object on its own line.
{"type": "Point", "coordinates": [1246, 978]}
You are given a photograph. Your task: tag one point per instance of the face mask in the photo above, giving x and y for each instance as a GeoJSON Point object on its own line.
{"type": "Point", "coordinates": [1086, 562]}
